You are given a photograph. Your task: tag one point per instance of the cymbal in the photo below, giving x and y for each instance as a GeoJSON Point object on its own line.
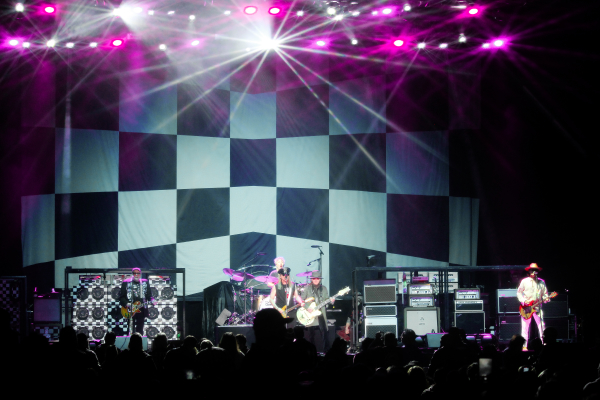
{"type": "Point", "coordinates": [237, 275]}
{"type": "Point", "coordinates": [307, 273]}
{"type": "Point", "coordinates": [228, 271]}
{"type": "Point", "coordinates": [266, 279]}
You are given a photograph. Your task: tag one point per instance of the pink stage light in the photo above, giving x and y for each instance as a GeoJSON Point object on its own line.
{"type": "Point", "coordinates": [13, 42]}
{"type": "Point", "coordinates": [321, 43]}
{"type": "Point", "coordinates": [117, 42]}
{"type": "Point", "coordinates": [274, 10]}
{"type": "Point", "coordinates": [398, 42]}
{"type": "Point", "coordinates": [498, 42]}
{"type": "Point", "coordinates": [387, 11]}
{"type": "Point", "coordinates": [250, 10]}
{"type": "Point", "coordinates": [473, 11]}
{"type": "Point", "coordinates": [49, 9]}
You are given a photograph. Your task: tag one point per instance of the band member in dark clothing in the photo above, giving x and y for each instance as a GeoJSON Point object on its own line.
{"type": "Point", "coordinates": [319, 324]}
{"type": "Point", "coordinates": [133, 290]}
{"type": "Point", "coordinates": [282, 293]}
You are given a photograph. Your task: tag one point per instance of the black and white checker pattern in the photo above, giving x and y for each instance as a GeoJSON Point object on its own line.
{"type": "Point", "coordinates": [51, 332]}
{"type": "Point", "coordinates": [152, 330]}
{"type": "Point", "coordinates": [163, 314]}
{"type": "Point", "coordinates": [9, 300]}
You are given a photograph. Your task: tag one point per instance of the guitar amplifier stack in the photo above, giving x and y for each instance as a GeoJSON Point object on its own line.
{"type": "Point", "coordinates": [468, 311]}
{"type": "Point", "coordinates": [163, 316]}
{"type": "Point", "coordinates": [380, 307]}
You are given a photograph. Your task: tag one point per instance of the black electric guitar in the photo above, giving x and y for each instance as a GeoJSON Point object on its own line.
{"type": "Point", "coordinates": [527, 310]}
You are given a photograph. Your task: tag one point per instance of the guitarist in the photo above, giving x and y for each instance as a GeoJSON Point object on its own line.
{"type": "Point", "coordinates": [136, 289]}
{"type": "Point", "coordinates": [320, 293]}
{"type": "Point", "coordinates": [282, 293]}
{"type": "Point", "coordinates": [532, 289]}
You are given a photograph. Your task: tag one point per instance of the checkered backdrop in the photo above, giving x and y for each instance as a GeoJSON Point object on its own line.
{"type": "Point", "coordinates": [155, 165]}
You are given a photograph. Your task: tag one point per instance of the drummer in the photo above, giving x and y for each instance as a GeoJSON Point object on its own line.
{"type": "Point", "coordinates": [282, 292]}
{"type": "Point", "coordinates": [279, 263]}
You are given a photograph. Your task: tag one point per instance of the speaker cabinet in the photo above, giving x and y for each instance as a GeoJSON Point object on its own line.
{"type": "Point", "coordinates": [509, 325]}
{"type": "Point", "coordinates": [558, 307]}
{"type": "Point", "coordinates": [471, 322]}
{"type": "Point", "coordinates": [422, 320]}
{"type": "Point", "coordinates": [384, 324]}
{"type": "Point", "coordinates": [381, 311]}
{"type": "Point", "coordinates": [380, 291]}
{"type": "Point", "coordinates": [508, 301]}
{"type": "Point", "coordinates": [560, 324]}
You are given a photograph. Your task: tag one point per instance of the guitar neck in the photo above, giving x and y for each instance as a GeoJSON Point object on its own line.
{"type": "Point", "coordinates": [324, 303]}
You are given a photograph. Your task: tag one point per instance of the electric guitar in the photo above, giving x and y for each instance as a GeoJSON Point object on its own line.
{"type": "Point", "coordinates": [285, 311]}
{"type": "Point", "coordinates": [527, 310]}
{"type": "Point", "coordinates": [307, 316]}
{"type": "Point", "coordinates": [136, 307]}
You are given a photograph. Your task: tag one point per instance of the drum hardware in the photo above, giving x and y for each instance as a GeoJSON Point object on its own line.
{"type": "Point", "coordinates": [303, 274]}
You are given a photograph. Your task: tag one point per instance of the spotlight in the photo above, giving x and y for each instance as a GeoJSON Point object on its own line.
{"type": "Point", "coordinates": [374, 13]}
{"type": "Point", "coordinates": [49, 9]}
{"type": "Point", "coordinates": [162, 47]}
{"type": "Point", "coordinates": [443, 45]}
{"type": "Point", "coordinates": [274, 10]}
{"type": "Point", "coordinates": [20, 7]}
{"type": "Point", "coordinates": [331, 11]}
{"type": "Point", "coordinates": [150, 12]}
{"type": "Point", "coordinates": [485, 45]}
{"type": "Point", "coordinates": [93, 45]}
{"type": "Point", "coordinates": [473, 11]}
{"type": "Point", "coordinates": [250, 10]}
{"type": "Point", "coordinates": [300, 13]}
{"type": "Point", "coordinates": [398, 42]}
{"type": "Point", "coordinates": [421, 45]}
{"type": "Point", "coordinates": [26, 44]}
{"type": "Point", "coordinates": [227, 12]}
{"type": "Point", "coordinates": [498, 42]}
{"type": "Point", "coordinates": [407, 7]}
{"type": "Point", "coordinates": [51, 43]}
{"type": "Point", "coordinates": [354, 41]}
{"type": "Point", "coordinates": [386, 11]}
{"type": "Point", "coordinates": [195, 43]}
{"type": "Point", "coordinates": [270, 44]}
{"type": "Point", "coordinates": [321, 43]}
{"type": "Point", "coordinates": [355, 13]}
{"type": "Point", "coordinates": [462, 38]}
{"type": "Point", "coordinates": [192, 17]}
{"type": "Point", "coordinates": [338, 17]}
{"type": "Point", "coordinates": [13, 42]}
{"type": "Point", "coordinates": [117, 42]}
{"type": "Point", "coordinates": [138, 10]}
{"type": "Point", "coordinates": [171, 12]}
{"type": "Point", "coordinates": [70, 45]}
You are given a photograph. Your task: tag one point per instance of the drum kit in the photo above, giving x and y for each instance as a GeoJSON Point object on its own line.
{"type": "Point", "coordinates": [254, 290]}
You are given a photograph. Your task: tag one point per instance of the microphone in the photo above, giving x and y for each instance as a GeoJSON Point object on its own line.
{"type": "Point", "coordinates": [261, 254]}
{"type": "Point", "coordinates": [314, 246]}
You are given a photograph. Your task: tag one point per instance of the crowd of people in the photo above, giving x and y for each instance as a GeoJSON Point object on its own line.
{"type": "Point", "coordinates": [282, 359]}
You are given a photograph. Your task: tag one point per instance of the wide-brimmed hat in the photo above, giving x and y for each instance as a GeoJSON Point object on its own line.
{"type": "Point", "coordinates": [316, 275]}
{"type": "Point", "coordinates": [534, 267]}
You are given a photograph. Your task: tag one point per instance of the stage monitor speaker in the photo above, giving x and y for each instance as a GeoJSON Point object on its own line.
{"type": "Point", "coordinates": [46, 310]}
{"type": "Point", "coordinates": [422, 320]}
{"type": "Point", "coordinates": [434, 340]}
{"type": "Point", "coordinates": [245, 330]}
{"type": "Point", "coordinates": [384, 324]}
{"type": "Point", "coordinates": [510, 325]}
{"type": "Point", "coordinates": [508, 301]}
{"type": "Point", "coordinates": [380, 291]}
{"type": "Point", "coordinates": [122, 342]}
{"type": "Point", "coordinates": [471, 322]}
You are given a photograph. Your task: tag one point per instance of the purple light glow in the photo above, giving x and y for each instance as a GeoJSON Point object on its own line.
{"type": "Point", "coordinates": [386, 11]}
{"type": "Point", "coordinates": [13, 42]}
{"type": "Point", "coordinates": [398, 42]}
{"type": "Point", "coordinates": [274, 10]}
{"type": "Point", "coordinates": [498, 42]}
{"type": "Point", "coordinates": [250, 10]}
{"type": "Point", "coordinates": [49, 9]}
{"type": "Point", "coordinates": [117, 42]}
{"type": "Point", "coordinates": [473, 11]}
{"type": "Point", "coordinates": [321, 43]}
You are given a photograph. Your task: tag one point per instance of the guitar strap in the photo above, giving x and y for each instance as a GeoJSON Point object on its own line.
{"type": "Point", "coordinates": [290, 294]}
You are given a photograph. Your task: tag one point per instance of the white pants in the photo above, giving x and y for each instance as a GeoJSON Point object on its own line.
{"type": "Point", "coordinates": [526, 323]}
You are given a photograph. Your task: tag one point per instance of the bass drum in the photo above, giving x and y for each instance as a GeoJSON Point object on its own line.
{"type": "Point", "coordinates": [265, 302]}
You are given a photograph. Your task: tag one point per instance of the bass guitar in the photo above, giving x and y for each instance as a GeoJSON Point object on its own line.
{"type": "Point", "coordinates": [306, 316]}
{"type": "Point", "coordinates": [285, 311]}
{"type": "Point", "coordinates": [527, 310]}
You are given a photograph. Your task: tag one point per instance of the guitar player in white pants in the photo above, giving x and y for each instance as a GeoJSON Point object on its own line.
{"type": "Point", "coordinates": [532, 289]}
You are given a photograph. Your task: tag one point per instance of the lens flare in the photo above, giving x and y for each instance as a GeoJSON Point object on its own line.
{"type": "Point", "coordinates": [274, 10]}
{"type": "Point", "coordinates": [473, 11]}
{"type": "Point", "coordinates": [250, 10]}
{"type": "Point", "coordinates": [117, 42]}
{"type": "Point", "coordinates": [398, 42]}
{"type": "Point", "coordinates": [321, 43]}
{"type": "Point", "coordinates": [20, 7]}
{"type": "Point", "coordinates": [49, 9]}
{"type": "Point", "coordinates": [387, 11]}
{"type": "Point", "coordinates": [13, 42]}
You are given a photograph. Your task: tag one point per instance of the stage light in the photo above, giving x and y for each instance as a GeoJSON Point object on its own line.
{"type": "Point", "coordinates": [387, 11]}
{"type": "Point", "coordinates": [26, 44]}
{"type": "Point", "coordinates": [137, 10]}
{"type": "Point", "coordinates": [398, 42]}
{"type": "Point", "coordinates": [443, 45]}
{"type": "Point", "coordinates": [13, 42]}
{"type": "Point", "coordinates": [171, 12]}
{"type": "Point", "coordinates": [485, 45]}
{"type": "Point", "coordinates": [162, 47]}
{"type": "Point", "coordinates": [192, 17]}
{"type": "Point", "coordinates": [498, 42]}
{"type": "Point", "coordinates": [374, 13]}
{"type": "Point", "coordinates": [338, 17]}
{"type": "Point", "coordinates": [331, 11]}
{"type": "Point", "coordinates": [300, 13]}
{"type": "Point", "coordinates": [355, 13]}
{"type": "Point", "coordinates": [117, 42]}
{"type": "Point", "coordinates": [473, 11]}
{"type": "Point", "coordinates": [93, 45]}
{"type": "Point", "coordinates": [227, 12]}
{"type": "Point", "coordinates": [354, 41]}
{"type": "Point", "coordinates": [51, 43]}
{"type": "Point", "coordinates": [150, 12]}
{"type": "Point", "coordinates": [321, 43]}
{"type": "Point", "coordinates": [20, 7]}
{"type": "Point", "coordinates": [274, 10]}
{"type": "Point", "coordinates": [195, 43]}
{"type": "Point", "coordinates": [462, 38]}
{"type": "Point", "coordinates": [49, 9]}
{"type": "Point", "coordinates": [250, 10]}
{"type": "Point", "coordinates": [407, 7]}
{"type": "Point", "coordinates": [270, 44]}
{"type": "Point", "coordinates": [421, 45]}
{"type": "Point", "coordinates": [70, 45]}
